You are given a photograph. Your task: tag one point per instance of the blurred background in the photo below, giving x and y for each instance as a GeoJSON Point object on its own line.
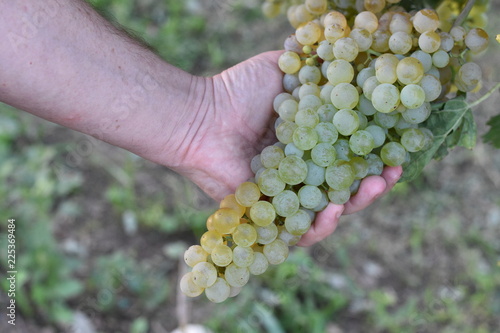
{"type": "Point", "coordinates": [100, 231]}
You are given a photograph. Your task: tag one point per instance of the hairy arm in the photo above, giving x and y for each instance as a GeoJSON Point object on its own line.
{"type": "Point", "coordinates": [63, 62]}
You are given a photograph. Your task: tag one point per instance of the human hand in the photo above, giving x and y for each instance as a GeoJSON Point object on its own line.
{"type": "Point", "coordinates": [238, 123]}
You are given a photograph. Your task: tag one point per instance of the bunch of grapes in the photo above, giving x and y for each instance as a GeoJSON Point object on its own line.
{"type": "Point", "coordinates": [358, 90]}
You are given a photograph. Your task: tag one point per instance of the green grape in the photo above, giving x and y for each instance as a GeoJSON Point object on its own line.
{"type": "Point", "coordinates": [290, 82]}
{"type": "Point", "coordinates": [188, 287]}
{"type": "Point", "coordinates": [310, 102]}
{"type": "Point", "coordinates": [195, 254]}
{"type": "Point", "coordinates": [323, 154]}
{"type": "Point", "coordinates": [385, 68]}
{"type": "Point", "coordinates": [440, 59]}
{"type": "Point", "coordinates": [359, 166]}
{"type": "Point", "coordinates": [245, 235]}
{"type": "Point", "coordinates": [335, 17]}
{"type": "Point", "coordinates": [393, 154]}
{"type": "Point", "coordinates": [413, 139]}
{"type": "Point", "coordinates": [346, 121]}
{"type": "Point", "coordinates": [366, 106]}
{"type": "Point", "coordinates": [309, 89]}
{"type": "Point", "coordinates": [267, 234]}
{"type": "Point", "coordinates": [447, 41]}
{"type": "Point", "coordinates": [236, 276]}
{"type": "Point", "coordinates": [309, 33]}
{"type": "Point", "coordinates": [403, 125]}
{"type": "Point", "coordinates": [222, 255]}
{"type": "Point", "coordinates": [339, 176]}
{"type": "Point", "coordinates": [322, 205]}
{"type": "Point", "coordinates": [469, 74]}
{"type": "Point", "coordinates": [476, 40]}
{"type": "Point", "coordinates": [333, 33]}
{"type": "Point", "coordinates": [369, 86]}
{"type": "Point", "coordinates": [289, 62]}
{"type": "Point", "coordinates": [276, 252]}
{"type": "Point", "coordinates": [286, 203]}
{"type": "Point", "coordinates": [385, 98]}
{"type": "Point", "coordinates": [346, 48]}
{"type": "Point", "coordinates": [400, 22]}
{"type": "Point", "coordinates": [287, 237]}
{"type": "Point", "coordinates": [309, 74]}
{"type": "Point", "coordinates": [400, 42]}
{"type": "Point", "coordinates": [288, 109]}
{"type": "Point", "coordinates": [305, 138]}
{"type": "Point", "coordinates": [429, 41]}
{"type": "Point", "coordinates": [243, 256]}
{"type": "Point", "coordinates": [316, 7]}
{"type": "Point", "coordinates": [378, 134]}
{"type": "Point", "coordinates": [315, 174]}
{"type": "Point", "coordinates": [374, 6]}
{"type": "Point", "coordinates": [417, 115]}
{"type": "Point", "coordinates": [366, 20]}
{"type": "Point", "coordinates": [380, 41]}
{"type": "Point", "coordinates": [284, 132]}
{"type": "Point", "coordinates": [307, 118]}
{"type": "Point", "coordinates": [412, 96]}
{"type": "Point", "coordinates": [280, 98]}
{"type": "Point", "coordinates": [386, 120]}
{"type": "Point", "coordinates": [361, 142]}
{"type": "Point", "coordinates": [326, 92]}
{"type": "Point", "coordinates": [230, 202]}
{"type": "Point", "coordinates": [270, 183]}
{"type": "Point", "coordinates": [344, 96]}
{"type": "Point", "coordinates": [209, 240]}
{"type": "Point", "coordinates": [431, 86]}
{"type": "Point", "coordinates": [247, 194]}
{"type": "Point", "coordinates": [327, 133]}
{"type": "Point", "coordinates": [262, 213]}
{"type": "Point", "coordinates": [291, 149]}
{"type": "Point", "coordinates": [363, 75]}
{"type": "Point", "coordinates": [375, 165]}
{"type": "Point", "coordinates": [362, 37]}
{"type": "Point", "coordinates": [309, 196]}
{"type": "Point", "coordinates": [225, 220]}
{"type": "Point", "coordinates": [340, 71]}
{"type": "Point", "coordinates": [424, 58]}
{"type": "Point", "coordinates": [298, 223]}
{"type": "Point", "coordinates": [219, 291]}
{"type": "Point", "coordinates": [271, 156]}
{"type": "Point", "coordinates": [343, 150]}
{"type": "Point", "coordinates": [410, 70]}
{"type": "Point", "coordinates": [204, 274]}
{"type": "Point", "coordinates": [259, 265]}
{"type": "Point", "coordinates": [426, 20]}
{"type": "Point", "coordinates": [339, 197]}
{"type": "Point", "coordinates": [458, 33]}
{"type": "Point", "coordinates": [292, 170]}
{"type": "Point", "coordinates": [325, 50]}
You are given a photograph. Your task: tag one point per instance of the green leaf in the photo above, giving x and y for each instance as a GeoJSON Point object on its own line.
{"type": "Point", "coordinates": [453, 118]}
{"type": "Point", "coordinates": [493, 135]}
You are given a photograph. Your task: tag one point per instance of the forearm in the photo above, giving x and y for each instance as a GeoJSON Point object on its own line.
{"type": "Point", "coordinates": [62, 62]}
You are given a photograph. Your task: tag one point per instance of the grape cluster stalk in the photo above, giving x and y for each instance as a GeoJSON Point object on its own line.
{"type": "Point", "coordinates": [358, 86]}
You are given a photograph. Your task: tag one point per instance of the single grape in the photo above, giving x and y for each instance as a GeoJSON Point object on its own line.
{"type": "Point", "coordinates": [286, 203]}
{"type": "Point", "coordinates": [188, 287]}
{"type": "Point", "coordinates": [298, 223]}
{"type": "Point", "coordinates": [195, 254]}
{"type": "Point", "coordinates": [219, 291]}
{"type": "Point", "coordinates": [204, 274]}
{"type": "Point", "coordinates": [289, 62]}
{"type": "Point", "coordinates": [262, 213]}
{"type": "Point", "coordinates": [259, 265]}
{"type": "Point", "coordinates": [276, 252]}
{"type": "Point", "coordinates": [346, 121]}
{"type": "Point", "coordinates": [385, 98]}
{"type": "Point", "coordinates": [222, 255]}
{"type": "Point", "coordinates": [393, 154]}
{"type": "Point", "coordinates": [340, 175]}
{"type": "Point", "coordinates": [267, 234]}
{"type": "Point", "coordinates": [236, 276]}
{"type": "Point", "coordinates": [270, 183]}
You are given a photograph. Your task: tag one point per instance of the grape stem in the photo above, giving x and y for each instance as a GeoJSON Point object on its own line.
{"type": "Point", "coordinates": [484, 97]}
{"type": "Point", "coordinates": [465, 12]}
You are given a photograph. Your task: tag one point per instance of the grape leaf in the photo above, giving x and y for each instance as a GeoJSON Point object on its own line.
{"type": "Point", "coordinates": [493, 135]}
{"type": "Point", "coordinates": [453, 125]}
